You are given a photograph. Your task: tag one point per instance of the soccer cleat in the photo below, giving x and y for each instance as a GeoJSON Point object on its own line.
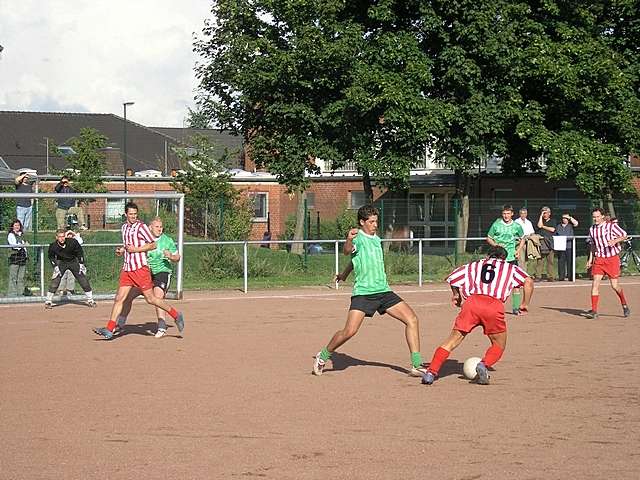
{"type": "Point", "coordinates": [591, 314]}
{"type": "Point", "coordinates": [428, 378]}
{"type": "Point", "coordinates": [103, 332]}
{"type": "Point", "coordinates": [318, 365]}
{"type": "Point", "coordinates": [483, 374]}
{"type": "Point", "coordinates": [161, 332]}
{"type": "Point", "coordinates": [92, 303]}
{"type": "Point", "coordinates": [180, 322]}
{"type": "Point", "coordinates": [516, 311]}
{"type": "Point", "coordinates": [417, 371]}
{"type": "Point", "coordinates": [626, 311]}
{"type": "Point", "coordinates": [48, 305]}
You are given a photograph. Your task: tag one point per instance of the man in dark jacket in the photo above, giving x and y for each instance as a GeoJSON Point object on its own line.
{"type": "Point", "coordinates": [67, 206]}
{"type": "Point", "coordinates": [66, 254]}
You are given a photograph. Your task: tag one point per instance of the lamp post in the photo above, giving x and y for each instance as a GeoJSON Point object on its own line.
{"type": "Point", "coordinates": [124, 144]}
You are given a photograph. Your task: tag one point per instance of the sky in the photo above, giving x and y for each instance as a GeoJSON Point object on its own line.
{"type": "Point", "coordinates": [94, 55]}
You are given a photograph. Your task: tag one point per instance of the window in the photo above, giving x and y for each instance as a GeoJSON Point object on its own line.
{"type": "Point", "coordinates": [357, 199]}
{"type": "Point", "coordinates": [311, 200]}
{"type": "Point", "coordinates": [566, 198]}
{"type": "Point", "coordinates": [260, 206]}
{"type": "Point", "coordinates": [115, 209]}
{"type": "Point", "coordinates": [502, 196]}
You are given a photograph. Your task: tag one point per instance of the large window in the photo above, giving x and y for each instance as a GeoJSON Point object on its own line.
{"type": "Point", "coordinates": [260, 206]}
{"type": "Point", "coordinates": [502, 196]}
{"type": "Point", "coordinates": [311, 200]}
{"type": "Point", "coordinates": [115, 209]}
{"type": "Point", "coordinates": [357, 199]}
{"type": "Point", "coordinates": [566, 198]}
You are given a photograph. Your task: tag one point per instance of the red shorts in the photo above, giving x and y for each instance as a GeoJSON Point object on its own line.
{"type": "Point", "coordinates": [140, 278]}
{"type": "Point", "coordinates": [481, 310]}
{"type": "Point", "coordinates": [606, 266]}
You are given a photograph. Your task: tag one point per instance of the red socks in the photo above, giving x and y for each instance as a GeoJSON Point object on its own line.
{"type": "Point", "coordinates": [594, 302]}
{"type": "Point", "coordinates": [623, 300]}
{"type": "Point", "coordinates": [492, 355]}
{"type": "Point", "coordinates": [174, 313]}
{"type": "Point", "coordinates": [439, 357]}
{"type": "Point", "coordinates": [111, 326]}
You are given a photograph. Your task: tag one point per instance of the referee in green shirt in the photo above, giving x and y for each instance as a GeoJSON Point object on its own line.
{"type": "Point", "coordinates": [506, 233]}
{"type": "Point", "coordinates": [159, 260]}
{"type": "Point", "coordinates": [371, 293]}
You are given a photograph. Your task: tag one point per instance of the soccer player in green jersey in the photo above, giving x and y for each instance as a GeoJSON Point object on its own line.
{"type": "Point", "coordinates": [160, 260]}
{"type": "Point", "coordinates": [371, 293]}
{"type": "Point", "coordinates": [507, 233]}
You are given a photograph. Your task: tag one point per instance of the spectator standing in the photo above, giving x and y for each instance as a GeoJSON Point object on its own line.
{"type": "Point", "coordinates": [17, 259]}
{"type": "Point", "coordinates": [565, 257]}
{"type": "Point", "coordinates": [67, 206]}
{"type": "Point", "coordinates": [68, 281]}
{"type": "Point", "coordinates": [24, 208]}
{"type": "Point", "coordinates": [65, 254]}
{"type": "Point", "coordinates": [546, 229]}
{"type": "Point", "coordinates": [527, 229]}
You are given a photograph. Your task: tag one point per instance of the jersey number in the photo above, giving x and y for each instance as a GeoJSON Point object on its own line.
{"type": "Point", "coordinates": [488, 273]}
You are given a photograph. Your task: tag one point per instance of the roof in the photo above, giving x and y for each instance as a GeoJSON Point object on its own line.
{"type": "Point", "coordinates": [23, 140]}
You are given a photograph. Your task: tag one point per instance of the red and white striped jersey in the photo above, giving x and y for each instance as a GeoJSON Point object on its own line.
{"type": "Point", "coordinates": [490, 276]}
{"type": "Point", "coordinates": [601, 234]}
{"type": "Point", "coordinates": [137, 235]}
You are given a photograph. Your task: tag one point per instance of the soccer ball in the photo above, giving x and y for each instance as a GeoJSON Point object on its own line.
{"type": "Point", "coordinates": [469, 367]}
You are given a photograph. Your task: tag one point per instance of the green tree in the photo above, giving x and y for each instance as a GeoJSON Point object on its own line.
{"type": "Point", "coordinates": [341, 81]}
{"type": "Point", "coordinates": [197, 119]}
{"type": "Point", "coordinates": [86, 166]}
{"type": "Point", "coordinates": [209, 192]}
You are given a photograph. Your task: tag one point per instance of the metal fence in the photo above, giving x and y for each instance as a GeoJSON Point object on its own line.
{"type": "Point", "coordinates": [241, 264]}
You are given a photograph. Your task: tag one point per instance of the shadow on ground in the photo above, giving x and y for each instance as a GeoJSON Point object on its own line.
{"type": "Point", "coordinates": [342, 361]}
{"type": "Point", "coordinates": [570, 311]}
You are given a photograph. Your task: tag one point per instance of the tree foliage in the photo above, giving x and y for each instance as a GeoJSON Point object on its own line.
{"type": "Point", "coordinates": [208, 190]}
{"type": "Point", "coordinates": [86, 166]}
{"type": "Point", "coordinates": [546, 86]}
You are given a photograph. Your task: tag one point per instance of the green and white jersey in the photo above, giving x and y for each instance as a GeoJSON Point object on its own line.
{"type": "Point", "coordinates": [368, 265]}
{"type": "Point", "coordinates": [156, 259]}
{"type": "Point", "coordinates": [507, 235]}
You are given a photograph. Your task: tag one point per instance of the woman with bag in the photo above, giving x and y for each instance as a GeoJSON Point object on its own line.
{"type": "Point", "coordinates": [17, 259]}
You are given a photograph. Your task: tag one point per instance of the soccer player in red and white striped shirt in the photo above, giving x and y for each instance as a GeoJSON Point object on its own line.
{"type": "Point", "coordinates": [604, 260]}
{"type": "Point", "coordinates": [484, 285]}
{"type": "Point", "coordinates": [137, 241]}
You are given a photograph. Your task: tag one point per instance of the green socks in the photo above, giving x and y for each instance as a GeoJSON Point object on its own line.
{"type": "Point", "coordinates": [325, 354]}
{"type": "Point", "coordinates": [515, 300]}
{"type": "Point", "coordinates": [416, 359]}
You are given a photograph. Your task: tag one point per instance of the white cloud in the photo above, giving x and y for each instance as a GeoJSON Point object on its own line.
{"type": "Point", "coordinates": [93, 55]}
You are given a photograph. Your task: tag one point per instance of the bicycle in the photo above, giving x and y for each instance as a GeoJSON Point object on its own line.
{"type": "Point", "coordinates": [628, 254]}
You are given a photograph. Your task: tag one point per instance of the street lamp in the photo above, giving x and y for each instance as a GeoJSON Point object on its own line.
{"type": "Point", "coordinates": [125, 105]}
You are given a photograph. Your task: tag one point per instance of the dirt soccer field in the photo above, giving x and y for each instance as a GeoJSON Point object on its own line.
{"type": "Point", "coordinates": [234, 397]}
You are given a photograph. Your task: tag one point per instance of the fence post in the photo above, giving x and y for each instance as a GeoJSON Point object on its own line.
{"type": "Point", "coordinates": [245, 265]}
{"type": "Point", "coordinates": [420, 262]}
{"type": "Point", "coordinates": [456, 212]}
{"type": "Point", "coordinates": [573, 259]}
{"type": "Point", "coordinates": [180, 266]}
{"type": "Point", "coordinates": [305, 234]}
{"type": "Point", "coordinates": [41, 255]}
{"type": "Point", "coordinates": [337, 258]}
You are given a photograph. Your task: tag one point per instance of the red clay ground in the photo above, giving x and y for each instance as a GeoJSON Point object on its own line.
{"type": "Point", "coordinates": [235, 398]}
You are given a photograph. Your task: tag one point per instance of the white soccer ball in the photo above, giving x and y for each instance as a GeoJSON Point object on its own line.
{"type": "Point", "coordinates": [469, 367]}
